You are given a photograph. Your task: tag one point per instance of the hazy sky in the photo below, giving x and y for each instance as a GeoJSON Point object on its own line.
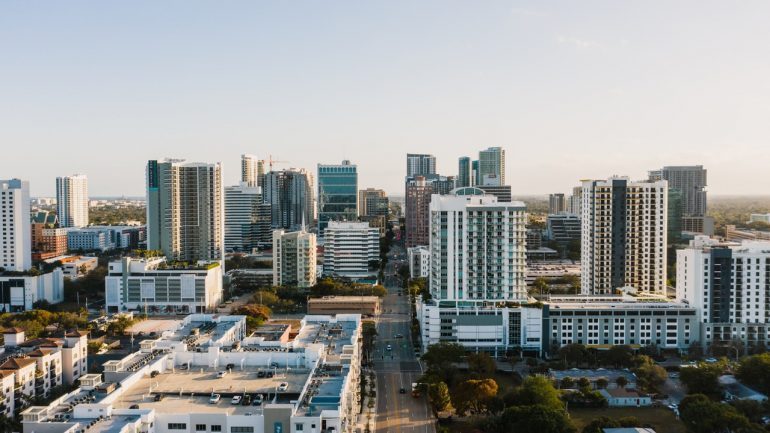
{"type": "Point", "coordinates": [580, 89]}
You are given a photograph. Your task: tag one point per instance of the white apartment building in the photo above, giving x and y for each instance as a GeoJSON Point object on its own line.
{"type": "Point", "coordinates": [349, 247]}
{"type": "Point", "coordinates": [294, 258]}
{"type": "Point", "coordinates": [154, 285]}
{"type": "Point", "coordinates": [72, 200]}
{"type": "Point", "coordinates": [477, 247]}
{"type": "Point", "coordinates": [419, 262]}
{"type": "Point", "coordinates": [729, 283]}
{"type": "Point", "coordinates": [624, 228]}
{"type": "Point", "coordinates": [20, 292]}
{"type": "Point", "coordinates": [167, 386]}
{"type": "Point", "coordinates": [185, 210]}
{"type": "Point", "coordinates": [16, 242]}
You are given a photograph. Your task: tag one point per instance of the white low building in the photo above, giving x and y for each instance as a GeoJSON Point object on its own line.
{"type": "Point", "coordinates": [349, 248]}
{"type": "Point", "coordinates": [20, 291]}
{"type": "Point", "coordinates": [154, 285]}
{"type": "Point", "coordinates": [621, 397]}
{"type": "Point", "coordinates": [186, 380]}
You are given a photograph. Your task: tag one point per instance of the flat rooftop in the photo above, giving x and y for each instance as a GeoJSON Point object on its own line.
{"type": "Point", "coordinates": [181, 389]}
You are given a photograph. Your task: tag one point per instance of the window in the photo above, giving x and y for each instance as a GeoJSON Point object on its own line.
{"type": "Point", "coordinates": [299, 427]}
{"type": "Point", "coordinates": [216, 427]}
{"type": "Point", "coordinates": [177, 426]}
{"type": "Point", "coordinates": [200, 427]}
{"type": "Point", "coordinates": [241, 429]}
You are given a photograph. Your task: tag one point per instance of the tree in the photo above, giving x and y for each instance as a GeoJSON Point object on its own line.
{"type": "Point", "coordinates": [481, 364]}
{"type": "Point", "coordinates": [567, 383]}
{"type": "Point", "coordinates": [650, 376]}
{"type": "Point", "coordinates": [441, 354]}
{"type": "Point", "coordinates": [702, 379]}
{"type": "Point", "coordinates": [621, 381]}
{"type": "Point", "coordinates": [473, 395]}
{"type": "Point", "coordinates": [256, 314]}
{"type": "Point", "coordinates": [536, 390]}
{"type": "Point", "coordinates": [440, 399]}
{"type": "Point", "coordinates": [619, 356]}
{"type": "Point", "coordinates": [534, 419]}
{"type": "Point", "coordinates": [541, 285]}
{"type": "Point", "coordinates": [701, 415]}
{"type": "Point", "coordinates": [573, 354]}
{"type": "Point", "coordinates": [755, 370]}
{"type": "Point", "coordinates": [602, 383]}
{"type": "Point", "coordinates": [597, 425]}
{"type": "Point", "coordinates": [584, 383]}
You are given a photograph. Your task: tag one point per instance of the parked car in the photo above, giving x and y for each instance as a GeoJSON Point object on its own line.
{"type": "Point", "coordinates": [158, 397]}
{"type": "Point", "coordinates": [389, 348]}
{"type": "Point", "coordinates": [257, 400]}
{"type": "Point", "coordinates": [269, 374]}
{"type": "Point", "coordinates": [246, 400]}
{"type": "Point", "coordinates": [230, 366]}
{"type": "Point", "coordinates": [260, 374]}
{"type": "Point", "coordinates": [283, 387]}
{"type": "Point", "coordinates": [215, 398]}
{"type": "Point", "coordinates": [402, 391]}
{"type": "Point", "coordinates": [134, 406]}
{"type": "Point", "coordinates": [222, 374]}
{"type": "Point", "coordinates": [236, 400]}
{"type": "Point", "coordinates": [154, 373]}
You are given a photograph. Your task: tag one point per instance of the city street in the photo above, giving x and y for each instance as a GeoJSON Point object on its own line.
{"type": "Point", "coordinates": [397, 368]}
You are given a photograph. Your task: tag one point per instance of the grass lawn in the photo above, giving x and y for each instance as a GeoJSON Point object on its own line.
{"type": "Point", "coordinates": [659, 418]}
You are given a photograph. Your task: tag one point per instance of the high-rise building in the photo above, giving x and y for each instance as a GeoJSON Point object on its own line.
{"type": "Point", "coordinates": [478, 247]}
{"type": "Point", "coordinates": [16, 249]}
{"type": "Point", "coordinates": [492, 166]}
{"type": "Point", "coordinates": [475, 173]}
{"type": "Point", "coordinates": [337, 194]}
{"type": "Point", "coordinates": [294, 258]}
{"type": "Point", "coordinates": [563, 228]}
{"type": "Point", "coordinates": [722, 281]}
{"type": "Point", "coordinates": [417, 211]}
{"type": "Point", "coordinates": [350, 248]}
{"type": "Point", "coordinates": [418, 164]}
{"type": "Point", "coordinates": [247, 218]}
{"type": "Point", "coordinates": [691, 181]}
{"type": "Point", "coordinates": [464, 172]}
{"type": "Point", "coordinates": [575, 202]}
{"type": "Point", "coordinates": [250, 170]}
{"type": "Point", "coordinates": [290, 196]}
{"type": "Point", "coordinates": [185, 210]}
{"type": "Point", "coordinates": [72, 200]}
{"type": "Point", "coordinates": [557, 203]}
{"type": "Point", "coordinates": [373, 202]}
{"type": "Point", "coordinates": [624, 230]}
{"type": "Point", "coordinates": [502, 192]}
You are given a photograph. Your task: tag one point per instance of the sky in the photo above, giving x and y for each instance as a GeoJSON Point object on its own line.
{"type": "Point", "coordinates": [571, 90]}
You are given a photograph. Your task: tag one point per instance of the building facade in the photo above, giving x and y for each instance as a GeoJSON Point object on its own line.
{"type": "Point", "coordinates": [294, 259]}
{"type": "Point", "coordinates": [248, 219]}
{"type": "Point", "coordinates": [477, 247]}
{"type": "Point", "coordinates": [16, 246]}
{"type": "Point", "coordinates": [185, 210]}
{"type": "Point", "coordinates": [337, 194]}
{"type": "Point", "coordinates": [420, 164]}
{"type": "Point", "coordinates": [492, 166]}
{"type": "Point", "coordinates": [557, 203]}
{"type": "Point", "coordinates": [624, 231]}
{"type": "Point", "coordinates": [349, 250]}
{"type": "Point", "coordinates": [419, 261]}
{"type": "Point", "coordinates": [691, 182]}
{"type": "Point", "coordinates": [417, 211]}
{"type": "Point", "coordinates": [250, 171]}
{"type": "Point", "coordinates": [290, 196]}
{"type": "Point", "coordinates": [373, 202]}
{"type": "Point", "coordinates": [72, 200]}
{"type": "Point", "coordinates": [563, 228]}
{"type": "Point", "coordinates": [20, 292]}
{"type": "Point", "coordinates": [153, 285]}
{"type": "Point", "coordinates": [464, 175]}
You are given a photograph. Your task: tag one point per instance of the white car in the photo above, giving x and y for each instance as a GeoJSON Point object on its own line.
{"type": "Point", "coordinates": [236, 400]}
{"type": "Point", "coordinates": [221, 374]}
{"type": "Point", "coordinates": [283, 387]}
{"type": "Point", "coordinates": [389, 348]}
{"type": "Point", "coordinates": [215, 398]}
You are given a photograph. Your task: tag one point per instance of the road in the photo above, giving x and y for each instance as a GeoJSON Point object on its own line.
{"type": "Point", "coordinates": [397, 368]}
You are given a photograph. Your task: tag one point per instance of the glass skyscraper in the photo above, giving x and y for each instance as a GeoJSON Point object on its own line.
{"type": "Point", "coordinates": [337, 194]}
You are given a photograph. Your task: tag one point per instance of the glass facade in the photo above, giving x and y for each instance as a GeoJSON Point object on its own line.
{"type": "Point", "coordinates": [337, 194]}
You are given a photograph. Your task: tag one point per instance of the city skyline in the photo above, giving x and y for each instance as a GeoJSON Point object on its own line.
{"type": "Point", "coordinates": [210, 83]}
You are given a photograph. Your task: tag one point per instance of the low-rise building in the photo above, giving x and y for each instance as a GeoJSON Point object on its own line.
{"type": "Point", "coordinates": [364, 305]}
{"type": "Point", "coordinates": [154, 285]}
{"type": "Point", "coordinates": [622, 397]}
{"type": "Point", "coordinates": [185, 381]}
{"type": "Point", "coordinates": [75, 267]}
{"type": "Point", "coordinates": [20, 291]}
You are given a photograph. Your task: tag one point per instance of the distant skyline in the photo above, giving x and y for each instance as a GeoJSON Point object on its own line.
{"type": "Point", "coordinates": [571, 90]}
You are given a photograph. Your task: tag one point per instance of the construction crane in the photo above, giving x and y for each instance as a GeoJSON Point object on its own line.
{"type": "Point", "coordinates": [271, 161]}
